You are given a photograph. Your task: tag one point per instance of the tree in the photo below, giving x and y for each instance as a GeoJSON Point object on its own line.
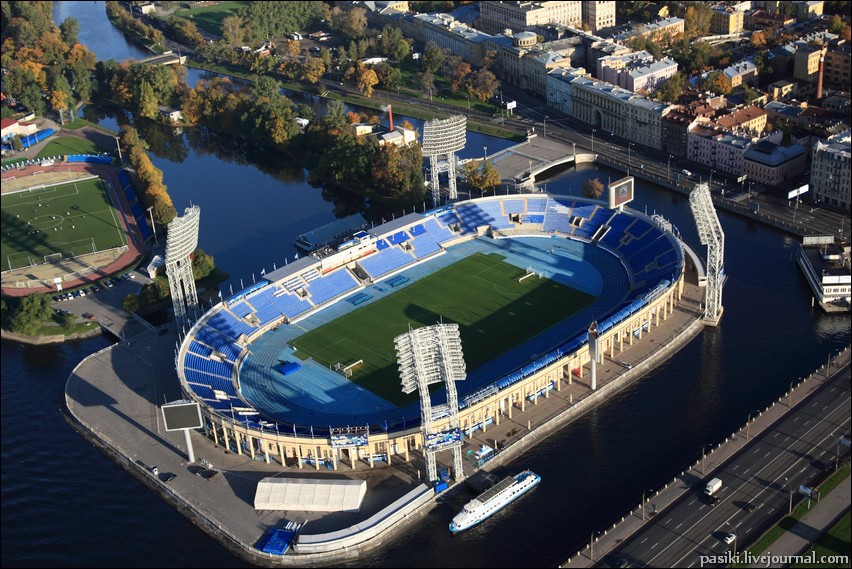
{"type": "Point", "coordinates": [391, 78]}
{"type": "Point", "coordinates": [312, 70]}
{"type": "Point", "coordinates": [69, 29]}
{"type": "Point", "coordinates": [32, 311]}
{"type": "Point", "coordinates": [593, 188]}
{"type": "Point", "coordinates": [265, 87]}
{"type": "Point", "coordinates": [427, 82]}
{"type": "Point", "coordinates": [433, 57]}
{"type": "Point", "coordinates": [697, 20]}
{"type": "Point", "coordinates": [715, 82]}
{"type": "Point", "coordinates": [758, 40]}
{"type": "Point", "coordinates": [483, 85]}
{"type": "Point", "coordinates": [481, 177]}
{"type": "Point", "coordinates": [366, 80]}
{"type": "Point", "coordinates": [456, 70]}
{"type": "Point", "coordinates": [232, 30]}
{"type": "Point", "coordinates": [130, 302]}
{"type": "Point", "coordinates": [202, 264]}
{"type": "Point", "coordinates": [669, 91]}
{"type": "Point", "coordinates": [146, 101]}
{"type": "Point", "coordinates": [351, 23]}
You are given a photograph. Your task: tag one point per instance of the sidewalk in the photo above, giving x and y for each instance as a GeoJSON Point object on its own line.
{"type": "Point", "coordinates": [620, 531]}
{"type": "Point", "coordinates": [811, 526]}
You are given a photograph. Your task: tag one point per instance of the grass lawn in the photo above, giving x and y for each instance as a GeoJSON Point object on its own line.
{"type": "Point", "coordinates": [210, 17]}
{"type": "Point", "coordinates": [833, 543]}
{"type": "Point", "coordinates": [480, 293]}
{"type": "Point", "coordinates": [69, 145]}
{"type": "Point", "coordinates": [79, 123]}
{"type": "Point", "coordinates": [71, 219]}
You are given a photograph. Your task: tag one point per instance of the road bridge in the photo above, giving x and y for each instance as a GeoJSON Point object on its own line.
{"type": "Point", "coordinates": [520, 164]}
{"type": "Point", "coordinates": [167, 58]}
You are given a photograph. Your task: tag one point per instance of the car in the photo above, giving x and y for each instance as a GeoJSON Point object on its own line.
{"type": "Point", "coordinates": [625, 365]}
{"type": "Point", "coordinates": [749, 507]}
{"type": "Point", "coordinates": [132, 275]}
{"type": "Point", "coordinates": [730, 538]}
{"type": "Point", "coordinates": [88, 316]}
{"type": "Point", "coordinates": [687, 172]}
{"type": "Point", "coordinates": [57, 298]}
{"type": "Point", "coordinates": [168, 477]}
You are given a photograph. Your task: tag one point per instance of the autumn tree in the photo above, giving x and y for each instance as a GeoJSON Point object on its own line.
{"type": "Point", "coordinates": [482, 177]}
{"type": "Point", "coordinates": [593, 189]}
{"type": "Point", "coordinates": [483, 85]}
{"type": "Point", "coordinates": [715, 82]}
{"type": "Point", "coordinates": [366, 79]}
{"type": "Point", "coordinates": [232, 30]}
{"type": "Point", "coordinates": [456, 70]}
{"type": "Point", "coordinates": [758, 40]}
{"type": "Point", "coordinates": [312, 69]}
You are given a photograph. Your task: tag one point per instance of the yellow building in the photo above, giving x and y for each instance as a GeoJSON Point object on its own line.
{"type": "Point", "coordinates": [726, 21]}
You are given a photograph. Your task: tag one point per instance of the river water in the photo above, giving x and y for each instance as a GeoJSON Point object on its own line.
{"type": "Point", "coordinates": [65, 504]}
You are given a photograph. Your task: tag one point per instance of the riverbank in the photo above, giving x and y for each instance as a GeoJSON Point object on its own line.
{"type": "Point", "coordinates": [49, 338]}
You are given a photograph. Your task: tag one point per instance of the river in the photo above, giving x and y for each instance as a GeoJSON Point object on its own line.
{"type": "Point", "coordinates": [66, 504]}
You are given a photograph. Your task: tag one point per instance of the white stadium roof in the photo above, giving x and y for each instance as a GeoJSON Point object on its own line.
{"type": "Point", "coordinates": [309, 495]}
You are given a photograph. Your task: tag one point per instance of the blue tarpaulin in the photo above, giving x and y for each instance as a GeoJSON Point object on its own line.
{"type": "Point", "coordinates": [286, 368]}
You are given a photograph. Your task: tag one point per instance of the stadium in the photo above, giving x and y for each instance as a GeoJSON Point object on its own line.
{"type": "Point", "coordinates": [66, 221]}
{"type": "Point", "coordinates": [300, 367]}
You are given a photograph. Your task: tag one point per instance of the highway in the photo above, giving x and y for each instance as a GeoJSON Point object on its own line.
{"type": "Point", "coordinates": [765, 473]}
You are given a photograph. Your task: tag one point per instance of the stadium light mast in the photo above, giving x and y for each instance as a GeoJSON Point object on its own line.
{"type": "Point", "coordinates": [443, 138]}
{"type": "Point", "coordinates": [711, 234]}
{"type": "Point", "coordinates": [181, 241]}
{"type": "Point", "coordinates": [433, 354]}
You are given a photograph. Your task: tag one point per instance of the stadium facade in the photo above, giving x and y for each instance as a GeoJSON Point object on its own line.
{"type": "Point", "coordinates": [239, 348]}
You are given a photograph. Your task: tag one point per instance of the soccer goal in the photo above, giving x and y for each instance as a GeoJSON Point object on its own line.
{"type": "Point", "coordinates": [52, 258]}
{"type": "Point", "coordinates": [346, 370]}
{"type": "Point", "coordinates": [531, 273]}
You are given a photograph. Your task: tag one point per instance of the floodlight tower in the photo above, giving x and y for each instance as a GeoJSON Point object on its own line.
{"type": "Point", "coordinates": [428, 355]}
{"type": "Point", "coordinates": [443, 138]}
{"type": "Point", "coordinates": [711, 234]}
{"type": "Point", "coordinates": [181, 241]}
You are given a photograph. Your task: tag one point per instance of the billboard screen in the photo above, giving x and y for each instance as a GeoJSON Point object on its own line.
{"type": "Point", "coordinates": [443, 439]}
{"type": "Point", "coordinates": [620, 192]}
{"type": "Point", "coordinates": [339, 441]}
{"type": "Point", "coordinates": [182, 415]}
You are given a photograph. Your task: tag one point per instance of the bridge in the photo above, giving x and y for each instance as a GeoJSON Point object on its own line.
{"type": "Point", "coordinates": [166, 58]}
{"type": "Point", "coordinates": [520, 164]}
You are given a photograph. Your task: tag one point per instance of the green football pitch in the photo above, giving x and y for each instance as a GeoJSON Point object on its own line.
{"type": "Point", "coordinates": [47, 224]}
{"type": "Point", "coordinates": [481, 294]}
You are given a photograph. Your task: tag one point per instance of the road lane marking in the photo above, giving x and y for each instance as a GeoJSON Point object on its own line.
{"type": "Point", "coordinates": [655, 545]}
{"type": "Point", "coordinates": [678, 525]}
{"type": "Point", "coordinates": [735, 467]}
{"type": "Point", "coordinates": [767, 454]}
{"type": "Point", "coordinates": [667, 521]}
{"type": "Point", "coordinates": [643, 541]}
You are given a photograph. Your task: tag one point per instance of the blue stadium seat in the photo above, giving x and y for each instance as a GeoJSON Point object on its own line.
{"type": "Point", "coordinates": [384, 262]}
{"type": "Point", "coordinates": [424, 245]}
{"type": "Point", "coordinates": [331, 286]}
{"type": "Point", "coordinates": [439, 233]}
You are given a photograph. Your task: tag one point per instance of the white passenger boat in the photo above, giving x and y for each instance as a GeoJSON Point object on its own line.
{"type": "Point", "coordinates": [493, 500]}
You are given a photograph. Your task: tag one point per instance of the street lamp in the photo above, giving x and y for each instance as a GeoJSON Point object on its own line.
{"type": "Point", "coordinates": [153, 227]}
{"type": "Point", "coordinates": [593, 141]}
{"type": "Point", "coordinates": [669, 167]}
{"type": "Point", "coordinates": [790, 492]}
{"type": "Point", "coordinates": [592, 545]}
{"type": "Point", "coordinates": [711, 180]}
{"type": "Point", "coordinates": [545, 126]}
{"type": "Point", "coordinates": [629, 147]}
{"type": "Point", "coordinates": [485, 153]}
{"type": "Point", "coordinates": [733, 533]}
{"type": "Point", "coordinates": [118, 145]}
{"type": "Point", "coordinates": [703, 457]}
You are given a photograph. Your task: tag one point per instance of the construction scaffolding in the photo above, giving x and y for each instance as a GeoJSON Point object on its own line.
{"type": "Point", "coordinates": [711, 234]}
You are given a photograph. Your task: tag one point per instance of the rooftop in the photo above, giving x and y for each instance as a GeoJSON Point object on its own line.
{"type": "Point", "coordinates": [772, 154]}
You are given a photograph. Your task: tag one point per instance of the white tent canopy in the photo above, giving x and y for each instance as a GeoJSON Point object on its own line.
{"type": "Point", "coordinates": [309, 495]}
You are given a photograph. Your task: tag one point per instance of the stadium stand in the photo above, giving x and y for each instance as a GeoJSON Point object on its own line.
{"type": "Point", "coordinates": [449, 218]}
{"type": "Point", "coordinates": [270, 307]}
{"type": "Point", "coordinates": [536, 205]}
{"type": "Point", "coordinates": [331, 286]}
{"type": "Point", "coordinates": [438, 233]}
{"type": "Point", "coordinates": [231, 326]}
{"type": "Point", "coordinates": [211, 367]}
{"type": "Point", "coordinates": [424, 245]}
{"type": "Point", "coordinates": [514, 206]}
{"type": "Point", "coordinates": [384, 262]}
{"type": "Point", "coordinates": [417, 230]}
{"type": "Point", "coordinates": [485, 213]}
{"type": "Point", "coordinates": [200, 349]}
{"type": "Point", "coordinates": [381, 245]}
{"type": "Point", "coordinates": [397, 238]}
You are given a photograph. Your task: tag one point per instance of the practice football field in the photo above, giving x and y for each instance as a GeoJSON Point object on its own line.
{"type": "Point", "coordinates": [481, 294]}
{"type": "Point", "coordinates": [47, 224]}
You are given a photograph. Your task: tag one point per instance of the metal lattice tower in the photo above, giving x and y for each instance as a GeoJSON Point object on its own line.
{"type": "Point", "coordinates": [181, 241]}
{"type": "Point", "coordinates": [443, 138]}
{"type": "Point", "coordinates": [711, 234]}
{"type": "Point", "coordinates": [433, 354]}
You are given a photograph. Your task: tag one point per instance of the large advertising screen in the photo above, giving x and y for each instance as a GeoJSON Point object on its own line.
{"type": "Point", "coordinates": [182, 415]}
{"type": "Point", "coordinates": [620, 192]}
{"type": "Point", "coordinates": [443, 439]}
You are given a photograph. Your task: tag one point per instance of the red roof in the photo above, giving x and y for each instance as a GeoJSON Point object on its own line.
{"type": "Point", "coordinates": [6, 122]}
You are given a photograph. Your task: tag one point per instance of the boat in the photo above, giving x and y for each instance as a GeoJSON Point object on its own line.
{"type": "Point", "coordinates": [493, 500]}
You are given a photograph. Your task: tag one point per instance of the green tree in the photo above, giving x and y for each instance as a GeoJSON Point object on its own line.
{"type": "Point", "coordinates": [69, 28]}
{"type": "Point", "coordinates": [593, 189]}
{"type": "Point", "coordinates": [32, 311]}
{"type": "Point", "coordinates": [481, 177]}
{"type": "Point", "coordinates": [202, 264]}
{"type": "Point", "coordinates": [352, 23]}
{"type": "Point", "coordinates": [670, 90]}
{"type": "Point", "coordinates": [130, 302]}
{"type": "Point", "coordinates": [433, 57]}
{"type": "Point", "coordinates": [146, 101]}
{"type": "Point", "coordinates": [264, 87]}
{"type": "Point", "coordinates": [391, 78]}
